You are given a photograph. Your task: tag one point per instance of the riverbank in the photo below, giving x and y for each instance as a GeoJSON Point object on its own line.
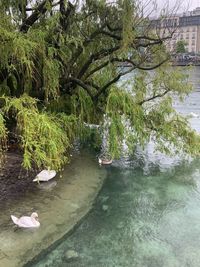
{"type": "Point", "coordinates": [14, 180]}
{"type": "Point", "coordinates": [60, 204]}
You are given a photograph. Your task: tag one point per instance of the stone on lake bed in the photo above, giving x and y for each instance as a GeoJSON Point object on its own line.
{"type": "Point", "coordinates": [71, 255]}
{"type": "Point", "coordinates": [104, 199]}
{"type": "Point", "coordinates": [105, 207]}
{"type": "Point", "coordinates": [120, 225]}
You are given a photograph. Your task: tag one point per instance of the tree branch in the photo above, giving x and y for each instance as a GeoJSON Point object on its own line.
{"type": "Point", "coordinates": [80, 49]}
{"type": "Point", "coordinates": [154, 97]}
{"type": "Point", "coordinates": [99, 55]}
{"type": "Point", "coordinates": [111, 29]}
{"type": "Point", "coordinates": [134, 66]}
{"type": "Point", "coordinates": [65, 14]}
{"type": "Point", "coordinates": [33, 8]}
{"type": "Point", "coordinates": [101, 66]}
{"type": "Point", "coordinates": [138, 65]}
{"type": "Point", "coordinates": [114, 36]}
{"type": "Point", "coordinates": [114, 80]}
{"type": "Point", "coordinates": [82, 84]}
{"type": "Point", "coordinates": [28, 22]}
{"type": "Point", "coordinates": [92, 84]}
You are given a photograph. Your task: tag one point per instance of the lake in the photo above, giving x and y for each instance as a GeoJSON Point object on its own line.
{"type": "Point", "coordinates": [147, 214]}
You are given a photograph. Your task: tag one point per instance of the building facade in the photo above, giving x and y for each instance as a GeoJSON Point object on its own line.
{"type": "Point", "coordinates": [185, 27]}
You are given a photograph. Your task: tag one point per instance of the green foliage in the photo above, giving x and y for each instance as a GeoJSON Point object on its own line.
{"type": "Point", "coordinates": [143, 111]}
{"type": "Point", "coordinates": [128, 29]}
{"type": "Point", "coordinates": [51, 73]}
{"type": "Point", "coordinates": [180, 46]}
{"type": "Point", "coordinates": [60, 70]}
{"type": "Point", "coordinates": [83, 110]}
{"type": "Point", "coordinates": [44, 137]}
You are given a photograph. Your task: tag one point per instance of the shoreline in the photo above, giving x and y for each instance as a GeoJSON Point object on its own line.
{"type": "Point", "coordinates": [61, 209]}
{"type": "Point", "coordinates": [39, 257]}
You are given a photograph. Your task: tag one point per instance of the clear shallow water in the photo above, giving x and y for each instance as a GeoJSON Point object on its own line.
{"type": "Point", "coordinates": [147, 215]}
{"type": "Point", "coordinates": [60, 203]}
{"type": "Point", "coordinates": [151, 221]}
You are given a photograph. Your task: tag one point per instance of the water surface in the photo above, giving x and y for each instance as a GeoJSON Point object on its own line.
{"type": "Point", "coordinates": [148, 213]}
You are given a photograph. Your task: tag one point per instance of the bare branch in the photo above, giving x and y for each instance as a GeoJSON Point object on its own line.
{"type": "Point", "coordinates": [154, 97]}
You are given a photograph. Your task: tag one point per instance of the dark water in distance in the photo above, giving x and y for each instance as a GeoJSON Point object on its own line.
{"type": "Point", "coordinates": [148, 213]}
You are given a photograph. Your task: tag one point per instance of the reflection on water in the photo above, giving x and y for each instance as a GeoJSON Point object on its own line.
{"type": "Point", "coordinates": [147, 215]}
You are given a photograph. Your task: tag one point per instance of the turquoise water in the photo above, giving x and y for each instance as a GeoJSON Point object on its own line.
{"type": "Point", "coordinates": [147, 214]}
{"type": "Point", "coordinates": [150, 220]}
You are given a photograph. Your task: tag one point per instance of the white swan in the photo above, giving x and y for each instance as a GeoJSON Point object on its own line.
{"type": "Point", "coordinates": [26, 221]}
{"type": "Point", "coordinates": [104, 161]}
{"type": "Point", "coordinates": [194, 115]}
{"type": "Point", "coordinates": [45, 176]}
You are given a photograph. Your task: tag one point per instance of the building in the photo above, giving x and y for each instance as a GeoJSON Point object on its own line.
{"type": "Point", "coordinates": [184, 27]}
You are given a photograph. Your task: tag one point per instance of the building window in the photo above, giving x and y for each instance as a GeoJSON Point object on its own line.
{"type": "Point", "coordinates": [193, 42]}
{"type": "Point", "coordinates": [194, 29]}
{"type": "Point", "coordinates": [188, 29]}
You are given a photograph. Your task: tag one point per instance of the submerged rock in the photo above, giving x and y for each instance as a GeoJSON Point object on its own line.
{"type": "Point", "coordinates": [71, 255]}
{"type": "Point", "coordinates": [105, 207]}
{"type": "Point", "coordinates": [120, 225]}
{"type": "Point", "coordinates": [104, 199]}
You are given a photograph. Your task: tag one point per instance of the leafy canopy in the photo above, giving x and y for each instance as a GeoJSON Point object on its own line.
{"type": "Point", "coordinates": [61, 68]}
{"type": "Point", "coordinates": [181, 46]}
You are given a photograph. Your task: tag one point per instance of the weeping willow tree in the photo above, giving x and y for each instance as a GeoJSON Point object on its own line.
{"type": "Point", "coordinates": [60, 68]}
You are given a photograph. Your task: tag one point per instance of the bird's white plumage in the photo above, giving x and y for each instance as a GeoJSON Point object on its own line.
{"type": "Point", "coordinates": [194, 115]}
{"type": "Point", "coordinates": [26, 221]}
{"type": "Point", "coordinates": [45, 176]}
{"type": "Point", "coordinates": [105, 161]}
